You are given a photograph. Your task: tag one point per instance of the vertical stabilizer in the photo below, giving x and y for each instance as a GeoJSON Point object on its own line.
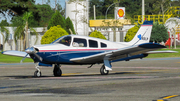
{"type": "Point", "coordinates": [143, 35]}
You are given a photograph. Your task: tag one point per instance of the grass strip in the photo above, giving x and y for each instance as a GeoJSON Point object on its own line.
{"type": "Point", "coordinates": [164, 55]}
{"type": "Point", "coordinates": [12, 59]}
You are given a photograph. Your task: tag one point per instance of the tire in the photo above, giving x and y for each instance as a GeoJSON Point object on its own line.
{"type": "Point", "coordinates": [37, 73]}
{"type": "Point", "coordinates": [57, 71]}
{"type": "Point", "coordinates": [103, 71]}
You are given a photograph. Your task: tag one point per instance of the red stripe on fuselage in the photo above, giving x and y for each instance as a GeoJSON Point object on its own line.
{"type": "Point", "coordinates": [75, 50]}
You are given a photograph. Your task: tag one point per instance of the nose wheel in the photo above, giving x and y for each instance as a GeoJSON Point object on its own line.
{"type": "Point", "coordinates": [37, 73]}
{"type": "Point", "coordinates": [57, 71]}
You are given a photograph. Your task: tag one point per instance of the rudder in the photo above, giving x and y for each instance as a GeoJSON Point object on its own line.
{"type": "Point", "coordinates": [143, 35]}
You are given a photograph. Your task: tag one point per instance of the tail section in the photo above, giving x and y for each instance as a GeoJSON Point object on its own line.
{"type": "Point", "coordinates": [143, 35]}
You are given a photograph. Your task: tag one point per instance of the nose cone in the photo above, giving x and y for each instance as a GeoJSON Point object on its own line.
{"type": "Point", "coordinates": [30, 50]}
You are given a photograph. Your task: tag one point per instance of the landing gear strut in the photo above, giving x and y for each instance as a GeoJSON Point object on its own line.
{"type": "Point", "coordinates": [37, 73]}
{"type": "Point", "coordinates": [103, 71]}
{"type": "Point", "coordinates": [57, 71]}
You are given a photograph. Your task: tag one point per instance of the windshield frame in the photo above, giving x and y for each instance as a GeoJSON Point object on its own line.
{"type": "Point", "coordinates": [65, 40]}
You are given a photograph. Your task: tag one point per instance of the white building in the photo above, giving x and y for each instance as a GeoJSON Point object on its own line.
{"type": "Point", "coordinates": [77, 11]}
{"type": "Point", "coordinates": [10, 45]}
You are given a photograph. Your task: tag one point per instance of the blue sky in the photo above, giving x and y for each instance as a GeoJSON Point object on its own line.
{"type": "Point", "coordinates": [61, 2]}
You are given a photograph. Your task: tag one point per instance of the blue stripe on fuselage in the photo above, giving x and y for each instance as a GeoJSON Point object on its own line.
{"type": "Point", "coordinates": [65, 56]}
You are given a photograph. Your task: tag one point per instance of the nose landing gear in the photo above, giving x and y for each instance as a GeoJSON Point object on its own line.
{"type": "Point", "coordinates": [37, 73]}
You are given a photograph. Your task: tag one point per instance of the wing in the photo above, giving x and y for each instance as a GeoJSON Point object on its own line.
{"type": "Point", "coordinates": [119, 54]}
{"type": "Point", "coordinates": [16, 53]}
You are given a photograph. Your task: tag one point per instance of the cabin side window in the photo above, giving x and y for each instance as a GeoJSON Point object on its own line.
{"type": "Point", "coordinates": [103, 45]}
{"type": "Point", "coordinates": [66, 41]}
{"type": "Point", "coordinates": [78, 42]}
{"type": "Point", "coordinates": [93, 44]}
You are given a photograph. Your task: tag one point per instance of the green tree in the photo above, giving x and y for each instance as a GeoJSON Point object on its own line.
{"type": "Point", "coordinates": [41, 16]}
{"type": "Point", "coordinates": [16, 7]}
{"type": "Point", "coordinates": [175, 3]}
{"type": "Point", "coordinates": [52, 34]}
{"type": "Point", "coordinates": [97, 34]}
{"type": "Point", "coordinates": [26, 17]}
{"type": "Point", "coordinates": [45, 13]}
{"type": "Point", "coordinates": [57, 19]}
{"type": "Point", "coordinates": [106, 4]}
{"type": "Point", "coordinates": [159, 33]}
{"type": "Point", "coordinates": [160, 6]}
{"type": "Point", "coordinates": [21, 32]}
{"type": "Point", "coordinates": [16, 21]}
{"type": "Point", "coordinates": [6, 36]}
{"type": "Point", "coordinates": [61, 10]}
{"type": "Point", "coordinates": [41, 13]}
{"type": "Point", "coordinates": [133, 7]}
{"type": "Point", "coordinates": [69, 26]}
{"type": "Point", "coordinates": [131, 33]}
{"type": "Point", "coordinates": [98, 4]}
{"type": "Point", "coordinates": [4, 23]}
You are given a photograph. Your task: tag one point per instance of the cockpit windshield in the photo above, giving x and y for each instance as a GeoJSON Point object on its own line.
{"type": "Point", "coordinates": [66, 40]}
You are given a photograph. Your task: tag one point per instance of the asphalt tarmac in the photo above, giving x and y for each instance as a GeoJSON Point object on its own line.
{"type": "Point", "coordinates": [137, 80]}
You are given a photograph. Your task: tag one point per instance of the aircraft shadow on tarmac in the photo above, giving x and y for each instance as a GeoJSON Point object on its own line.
{"type": "Point", "coordinates": [80, 75]}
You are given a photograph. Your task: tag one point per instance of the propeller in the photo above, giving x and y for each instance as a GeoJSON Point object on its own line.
{"type": "Point", "coordinates": [31, 51]}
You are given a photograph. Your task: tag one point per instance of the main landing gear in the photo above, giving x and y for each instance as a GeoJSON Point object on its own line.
{"type": "Point", "coordinates": [57, 71]}
{"type": "Point", "coordinates": [103, 71]}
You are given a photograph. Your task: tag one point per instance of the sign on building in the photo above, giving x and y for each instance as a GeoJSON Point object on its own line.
{"type": "Point", "coordinates": [119, 12]}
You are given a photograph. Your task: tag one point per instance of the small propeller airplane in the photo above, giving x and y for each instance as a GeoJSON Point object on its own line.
{"type": "Point", "coordinates": [83, 50]}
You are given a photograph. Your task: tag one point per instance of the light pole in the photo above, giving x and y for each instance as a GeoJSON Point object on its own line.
{"type": "Point", "coordinates": [143, 11]}
{"type": "Point", "coordinates": [106, 18]}
{"type": "Point", "coordinates": [87, 14]}
{"type": "Point", "coordinates": [108, 9]}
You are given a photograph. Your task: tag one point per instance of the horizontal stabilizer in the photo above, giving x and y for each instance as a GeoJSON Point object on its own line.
{"type": "Point", "coordinates": [15, 53]}
{"type": "Point", "coordinates": [156, 52]}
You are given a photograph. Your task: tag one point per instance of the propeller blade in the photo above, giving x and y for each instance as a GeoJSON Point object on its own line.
{"type": "Point", "coordinates": [24, 58]}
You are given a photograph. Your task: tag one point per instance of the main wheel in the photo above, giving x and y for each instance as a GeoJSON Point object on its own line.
{"type": "Point", "coordinates": [37, 73]}
{"type": "Point", "coordinates": [57, 71]}
{"type": "Point", "coordinates": [103, 71]}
